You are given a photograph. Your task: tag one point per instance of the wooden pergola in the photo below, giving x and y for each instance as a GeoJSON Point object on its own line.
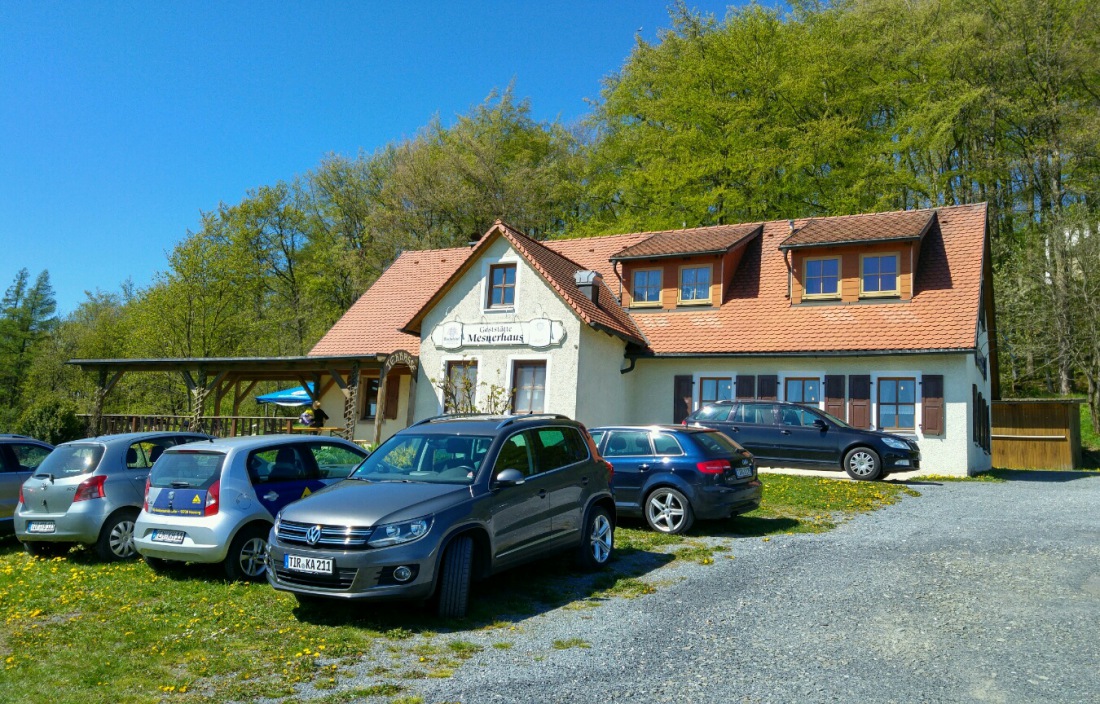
{"type": "Point", "coordinates": [234, 378]}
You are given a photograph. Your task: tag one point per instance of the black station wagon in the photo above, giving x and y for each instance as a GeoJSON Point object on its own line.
{"type": "Point", "coordinates": [792, 435]}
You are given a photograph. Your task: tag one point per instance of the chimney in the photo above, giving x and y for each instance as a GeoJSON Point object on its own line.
{"type": "Point", "coordinates": [589, 284]}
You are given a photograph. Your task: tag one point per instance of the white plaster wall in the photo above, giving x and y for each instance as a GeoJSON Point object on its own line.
{"type": "Point", "coordinates": [650, 394]}
{"type": "Point", "coordinates": [602, 391]}
{"type": "Point", "coordinates": [465, 301]}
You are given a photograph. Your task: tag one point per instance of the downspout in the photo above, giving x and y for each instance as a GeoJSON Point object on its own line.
{"type": "Point", "coordinates": [633, 362]}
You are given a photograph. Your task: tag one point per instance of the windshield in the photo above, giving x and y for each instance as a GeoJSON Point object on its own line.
{"type": "Point", "coordinates": [833, 418]}
{"type": "Point", "coordinates": [70, 461]}
{"type": "Point", "coordinates": [715, 444]}
{"type": "Point", "coordinates": [186, 469]}
{"type": "Point", "coordinates": [434, 458]}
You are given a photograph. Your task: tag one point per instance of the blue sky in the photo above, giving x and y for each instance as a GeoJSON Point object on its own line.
{"type": "Point", "coordinates": [121, 121]}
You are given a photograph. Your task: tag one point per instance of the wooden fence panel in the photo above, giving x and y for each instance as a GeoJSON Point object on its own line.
{"type": "Point", "coordinates": [1036, 434]}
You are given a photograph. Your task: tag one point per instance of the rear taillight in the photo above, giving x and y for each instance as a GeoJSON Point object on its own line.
{"type": "Point", "coordinates": [610, 470]}
{"type": "Point", "coordinates": [713, 466]}
{"type": "Point", "coordinates": [90, 488]}
{"type": "Point", "coordinates": [684, 421]}
{"type": "Point", "coordinates": [212, 496]}
{"type": "Point", "coordinates": [20, 494]}
{"type": "Point", "coordinates": [145, 502]}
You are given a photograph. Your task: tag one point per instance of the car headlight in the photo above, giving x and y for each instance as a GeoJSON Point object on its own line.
{"type": "Point", "coordinates": [896, 443]}
{"type": "Point", "coordinates": [278, 520]}
{"type": "Point", "coordinates": [397, 533]}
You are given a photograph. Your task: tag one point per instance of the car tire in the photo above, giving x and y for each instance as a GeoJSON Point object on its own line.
{"type": "Point", "coordinates": [116, 539]}
{"type": "Point", "coordinates": [598, 541]}
{"type": "Point", "coordinates": [46, 549]}
{"type": "Point", "coordinates": [245, 561]}
{"type": "Point", "coordinates": [668, 511]}
{"type": "Point", "coordinates": [454, 578]}
{"type": "Point", "coordinates": [863, 464]}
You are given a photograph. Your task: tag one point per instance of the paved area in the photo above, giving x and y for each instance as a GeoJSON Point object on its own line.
{"type": "Point", "coordinates": [973, 592]}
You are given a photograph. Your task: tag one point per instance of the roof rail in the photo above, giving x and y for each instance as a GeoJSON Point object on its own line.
{"type": "Point", "coordinates": [530, 416]}
{"type": "Point", "coordinates": [450, 416]}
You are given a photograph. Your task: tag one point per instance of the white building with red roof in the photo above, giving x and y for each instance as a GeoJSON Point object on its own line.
{"type": "Point", "coordinates": [882, 320]}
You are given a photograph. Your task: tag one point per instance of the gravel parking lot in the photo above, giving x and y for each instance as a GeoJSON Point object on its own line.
{"type": "Point", "coordinates": [974, 592]}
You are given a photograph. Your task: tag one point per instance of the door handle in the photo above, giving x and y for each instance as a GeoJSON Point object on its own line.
{"type": "Point", "coordinates": [734, 428]}
{"type": "Point", "coordinates": [270, 496]}
{"type": "Point", "coordinates": [643, 467]}
{"type": "Point", "coordinates": [542, 493]}
{"type": "Point", "coordinates": [784, 432]}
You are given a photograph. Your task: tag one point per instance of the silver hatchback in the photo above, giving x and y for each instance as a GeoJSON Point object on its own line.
{"type": "Point", "coordinates": [216, 502]}
{"type": "Point", "coordinates": [89, 491]}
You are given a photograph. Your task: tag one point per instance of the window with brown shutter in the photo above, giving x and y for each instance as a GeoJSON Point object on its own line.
{"type": "Point", "coordinates": [746, 386]}
{"type": "Point", "coordinates": [932, 419]}
{"type": "Point", "coordinates": [859, 400]}
{"type": "Point", "coordinates": [975, 416]}
{"type": "Point", "coordinates": [834, 395]}
{"type": "Point", "coordinates": [393, 396]}
{"type": "Point", "coordinates": [767, 387]}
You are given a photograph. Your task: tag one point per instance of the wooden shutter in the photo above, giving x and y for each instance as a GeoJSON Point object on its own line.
{"type": "Point", "coordinates": [746, 386]}
{"type": "Point", "coordinates": [767, 387]}
{"type": "Point", "coordinates": [393, 396]}
{"type": "Point", "coordinates": [859, 400]}
{"type": "Point", "coordinates": [932, 420]}
{"type": "Point", "coordinates": [975, 415]}
{"type": "Point", "coordinates": [834, 395]}
{"type": "Point", "coordinates": [681, 397]}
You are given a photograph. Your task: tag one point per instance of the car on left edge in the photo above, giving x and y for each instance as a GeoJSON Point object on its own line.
{"type": "Point", "coordinates": [89, 492]}
{"type": "Point", "coordinates": [19, 457]}
{"type": "Point", "coordinates": [216, 502]}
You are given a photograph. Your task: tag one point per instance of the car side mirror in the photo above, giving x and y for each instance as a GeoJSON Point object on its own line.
{"type": "Point", "coordinates": [509, 477]}
{"type": "Point", "coordinates": [820, 424]}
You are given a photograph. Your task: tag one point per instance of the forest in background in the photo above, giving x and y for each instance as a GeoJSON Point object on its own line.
{"type": "Point", "coordinates": [832, 108]}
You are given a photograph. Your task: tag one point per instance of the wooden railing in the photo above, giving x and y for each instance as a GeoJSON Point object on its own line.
{"type": "Point", "coordinates": [221, 426]}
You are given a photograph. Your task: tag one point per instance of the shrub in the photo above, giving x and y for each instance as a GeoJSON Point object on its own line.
{"type": "Point", "coordinates": [53, 421]}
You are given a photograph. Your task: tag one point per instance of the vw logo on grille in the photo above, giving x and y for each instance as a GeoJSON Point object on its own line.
{"type": "Point", "coordinates": [313, 535]}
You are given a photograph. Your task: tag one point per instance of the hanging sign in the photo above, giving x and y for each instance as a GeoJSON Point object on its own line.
{"type": "Point", "coordinates": [537, 333]}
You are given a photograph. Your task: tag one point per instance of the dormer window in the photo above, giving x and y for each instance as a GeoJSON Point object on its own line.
{"type": "Point", "coordinates": [502, 286]}
{"type": "Point", "coordinates": [822, 278]}
{"type": "Point", "coordinates": [647, 287]}
{"type": "Point", "coordinates": [694, 285]}
{"type": "Point", "coordinates": [878, 275]}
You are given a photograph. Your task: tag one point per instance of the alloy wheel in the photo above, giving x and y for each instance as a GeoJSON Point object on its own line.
{"type": "Point", "coordinates": [600, 542]}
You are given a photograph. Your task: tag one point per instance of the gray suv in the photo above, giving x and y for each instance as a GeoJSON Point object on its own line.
{"type": "Point", "coordinates": [90, 492]}
{"type": "Point", "coordinates": [445, 501]}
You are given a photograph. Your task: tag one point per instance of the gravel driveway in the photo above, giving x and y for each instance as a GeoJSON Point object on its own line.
{"type": "Point", "coordinates": [974, 592]}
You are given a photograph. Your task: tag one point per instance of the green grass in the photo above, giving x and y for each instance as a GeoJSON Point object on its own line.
{"type": "Point", "coordinates": [76, 630]}
{"type": "Point", "coordinates": [1090, 440]}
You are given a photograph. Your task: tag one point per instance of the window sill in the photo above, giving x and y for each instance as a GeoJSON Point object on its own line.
{"type": "Point", "coordinates": [501, 309]}
{"type": "Point", "coordinates": [882, 294]}
{"type": "Point", "coordinates": [646, 304]}
{"type": "Point", "coordinates": [694, 303]}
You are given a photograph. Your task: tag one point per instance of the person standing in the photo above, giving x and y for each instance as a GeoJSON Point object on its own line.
{"type": "Point", "coordinates": [319, 416]}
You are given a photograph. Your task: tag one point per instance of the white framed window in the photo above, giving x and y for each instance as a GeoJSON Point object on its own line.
{"type": "Point", "coordinates": [879, 275]}
{"type": "Point", "coordinates": [694, 284]}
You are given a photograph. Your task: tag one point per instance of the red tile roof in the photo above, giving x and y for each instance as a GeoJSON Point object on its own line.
{"type": "Point", "coordinates": [558, 271]}
{"type": "Point", "coordinates": [373, 324]}
{"type": "Point", "coordinates": [697, 240]}
{"type": "Point", "coordinates": [756, 317]}
{"type": "Point", "coordinates": [871, 227]}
